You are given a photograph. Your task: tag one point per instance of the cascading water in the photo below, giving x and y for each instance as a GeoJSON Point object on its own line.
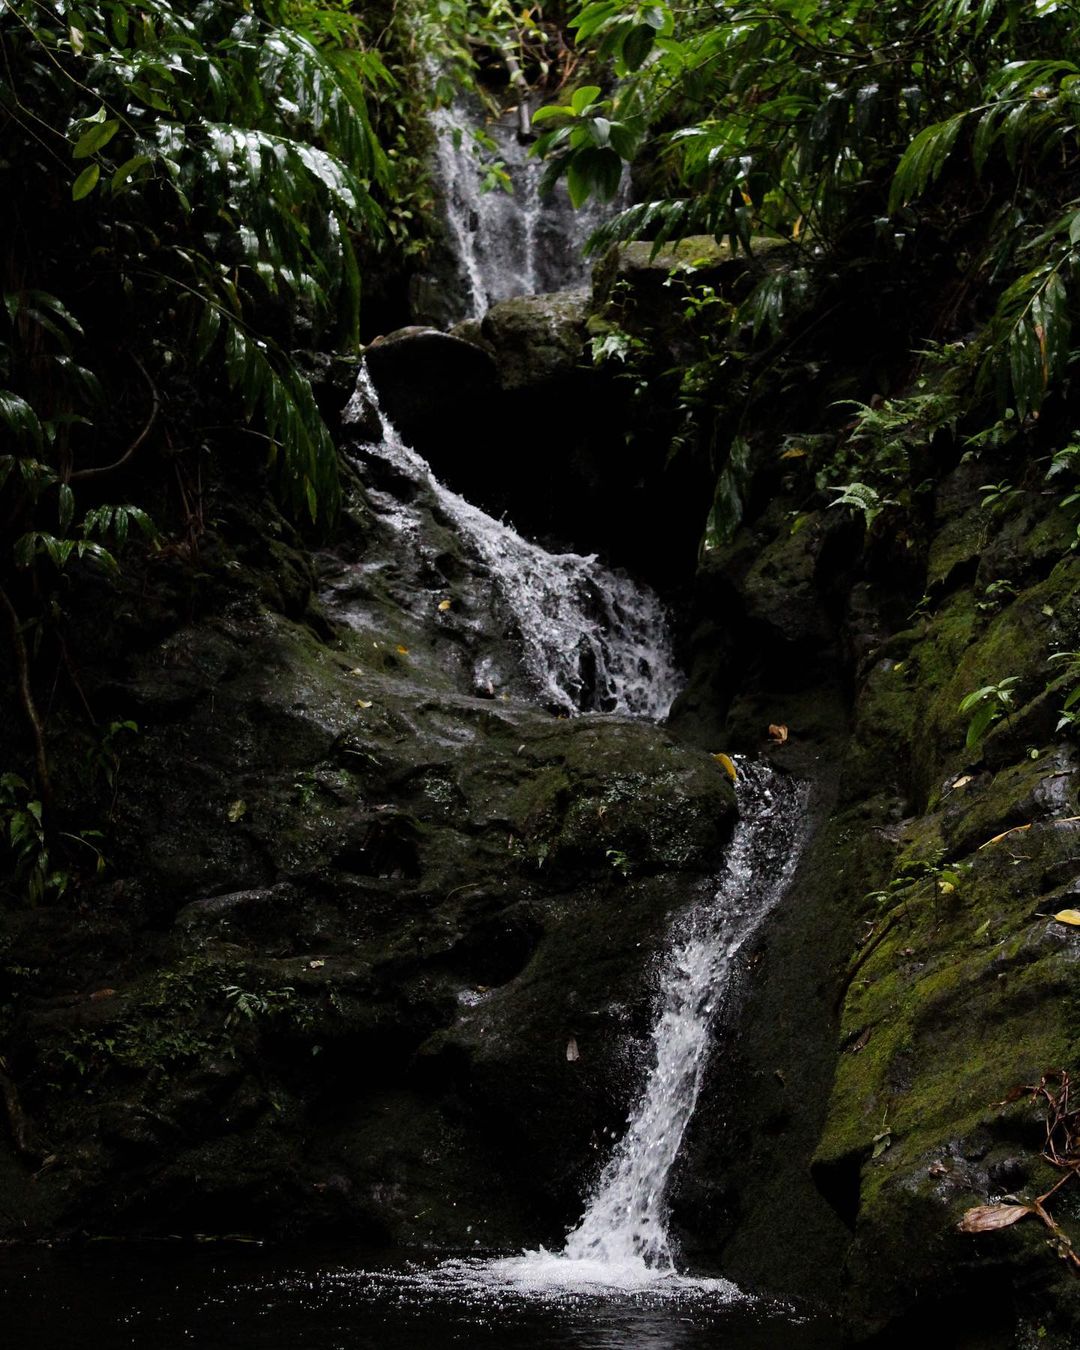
{"type": "Point", "coordinates": [622, 1239]}
{"type": "Point", "coordinates": [507, 243]}
{"type": "Point", "coordinates": [622, 1245]}
{"type": "Point", "coordinates": [625, 1224]}
{"type": "Point", "coordinates": [591, 639]}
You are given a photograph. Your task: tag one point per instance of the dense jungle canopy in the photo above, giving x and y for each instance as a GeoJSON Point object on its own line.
{"type": "Point", "coordinates": [822, 396]}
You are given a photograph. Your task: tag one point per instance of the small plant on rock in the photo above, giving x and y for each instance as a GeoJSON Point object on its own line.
{"type": "Point", "coordinates": [987, 706]}
{"type": "Point", "coordinates": [1070, 711]}
{"type": "Point", "coordinates": [863, 498]}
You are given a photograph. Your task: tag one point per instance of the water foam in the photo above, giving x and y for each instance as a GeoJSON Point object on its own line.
{"type": "Point", "coordinates": [592, 640]}
{"type": "Point", "coordinates": [622, 1247]}
{"type": "Point", "coordinates": [507, 243]}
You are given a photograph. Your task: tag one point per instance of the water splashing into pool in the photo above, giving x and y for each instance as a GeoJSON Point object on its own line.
{"type": "Point", "coordinates": [622, 1244]}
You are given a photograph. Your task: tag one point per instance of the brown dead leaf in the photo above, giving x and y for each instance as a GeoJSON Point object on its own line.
{"type": "Point", "coordinates": [937, 1169]}
{"type": "Point", "coordinates": [99, 994]}
{"type": "Point", "coordinates": [1071, 916]}
{"type": "Point", "coordinates": [727, 765]}
{"type": "Point", "coordinates": [572, 1053]}
{"type": "Point", "coordinates": [363, 703]}
{"type": "Point", "coordinates": [987, 1218]}
{"type": "Point", "coordinates": [861, 1043]}
{"type": "Point", "coordinates": [1016, 829]}
{"type": "Point", "coordinates": [402, 649]}
{"type": "Point", "coordinates": [778, 732]}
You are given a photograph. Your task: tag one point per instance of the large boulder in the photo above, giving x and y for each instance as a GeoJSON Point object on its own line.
{"type": "Point", "coordinates": [355, 916]}
{"type": "Point", "coordinates": [537, 340]}
{"type": "Point", "coordinates": [428, 381]}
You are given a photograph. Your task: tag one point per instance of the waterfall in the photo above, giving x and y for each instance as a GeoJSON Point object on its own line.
{"type": "Point", "coordinates": [591, 638]}
{"type": "Point", "coordinates": [507, 243]}
{"type": "Point", "coordinates": [625, 1223]}
{"type": "Point", "coordinates": [622, 1246]}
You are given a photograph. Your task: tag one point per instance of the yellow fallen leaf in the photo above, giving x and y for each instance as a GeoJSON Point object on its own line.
{"type": "Point", "coordinates": [1068, 916]}
{"type": "Point", "coordinates": [794, 453]}
{"type": "Point", "coordinates": [237, 809]}
{"type": "Point", "coordinates": [778, 732]}
{"type": "Point", "coordinates": [356, 670]}
{"type": "Point", "coordinates": [946, 888]}
{"type": "Point", "coordinates": [403, 650]}
{"type": "Point", "coordinates": [1016, 829]}
{"type": "Point", "coordinates": [444, 605]}
{"type": "Point", "coordinates": [363, 703]}
{"type": "Point", "coordinates": [316, 965]}
{"type": "Point", "coordinates": [986, 1218]}
{"type": "Point", "coordinates": [726, 764]}
{"type": "Point", "coordinates": [964, 781]}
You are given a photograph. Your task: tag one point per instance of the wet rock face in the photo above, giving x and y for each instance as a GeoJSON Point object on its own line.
{"type": "Point", "coordinates": [916, 977]}
{"type": "Point", "coordinates": [356, 915]}
{"type": "Point", "coordinates": [426, 381]}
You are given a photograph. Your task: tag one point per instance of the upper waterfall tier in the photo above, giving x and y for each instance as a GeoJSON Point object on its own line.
{"type": "Point", "coordinates": [504, 243]}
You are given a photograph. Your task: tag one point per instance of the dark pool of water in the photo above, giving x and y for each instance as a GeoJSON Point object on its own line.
{"type": "Point", "coordinates": [108, 1297]}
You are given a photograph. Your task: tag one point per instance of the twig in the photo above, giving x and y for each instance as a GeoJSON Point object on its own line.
{"type": "Point", "coordinates": [26, 694]}
{"type": "Point", "coordinates": [21, 1130]}
{"type": "Point", "coordinates": [119, 463]}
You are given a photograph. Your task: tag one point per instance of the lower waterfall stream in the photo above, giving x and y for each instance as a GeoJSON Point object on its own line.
{"type": "Point", "coordinates": [622, 1243]}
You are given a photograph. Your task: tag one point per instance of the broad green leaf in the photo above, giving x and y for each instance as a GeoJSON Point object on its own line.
{"type": "Point", "coordinates": [128, 170]}
{"type": "Point", "coordinates": [67, 506]}
{"type": "Point", "coordinates": [551, 112]}
{"type": "Point", "coordinates": [85, 183]}
{"type": "Point", "coordinates": [584, 97]}
{"type": "Point", "coordinates": [636, 47]}
{"type": "Point", "coordinates": [924, 159]}
{"type": "Point", "coordinates": [20, 419]}
{"type": "Point", "coordinates": [95, 139]}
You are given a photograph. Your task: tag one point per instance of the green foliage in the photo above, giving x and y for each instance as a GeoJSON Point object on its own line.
{"type": "Point", "coordinates": [246, 1005]}
{"type": "Point", "coordinates": [1070, 673]}
{"type": "Point", "coordinates": [817, 123]}
{"type": "Point", "coordinates": [220, 161]}
{"type": "Point", "coordinates": [987, 706]}
{"type": "Point", "coordinates": [998, 496]}
{"type": "Point", "coordinates": [23, 823]}
{"type": "Point", "coordinates": [863, 498]}
{"type": "Point", "coordinates": [189, 191]}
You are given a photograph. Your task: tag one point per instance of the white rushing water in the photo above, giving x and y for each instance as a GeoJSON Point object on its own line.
{"type": "Point", "coordinates": [622, 1240]}
{"type": "Point", "coordinates": [507, 243]}
{"type": "Point", "coordinates": [621, 1246]}
{"type": "Point", "coordinates": [591, 638]}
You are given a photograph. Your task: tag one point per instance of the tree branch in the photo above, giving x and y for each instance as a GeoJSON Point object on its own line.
{"type": "Point", "coordinates": [119, 463]}
{"type": "Point", "coordinates": [26, 694]}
